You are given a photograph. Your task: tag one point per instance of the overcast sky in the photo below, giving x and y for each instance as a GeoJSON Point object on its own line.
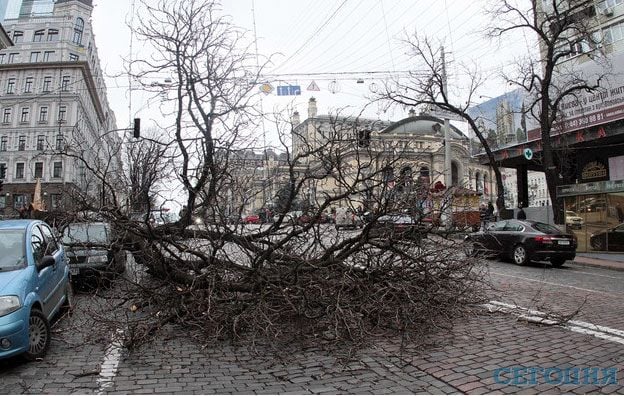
{"type": "Point", "coordinates": [351, 37]}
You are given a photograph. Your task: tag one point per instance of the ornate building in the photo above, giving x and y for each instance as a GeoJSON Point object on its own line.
{"type": "Point", "coordinates": [54, 112]}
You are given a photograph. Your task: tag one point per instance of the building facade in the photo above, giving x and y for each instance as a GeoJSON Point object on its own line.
{"type": "Point", "coordinates": [55, 120]}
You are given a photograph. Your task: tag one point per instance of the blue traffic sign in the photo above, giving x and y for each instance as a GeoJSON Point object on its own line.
{"type": "Point", "coordinates": [287, 90]}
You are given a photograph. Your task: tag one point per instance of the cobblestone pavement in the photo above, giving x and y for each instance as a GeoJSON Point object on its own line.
{"type": "Point", "coordinates": [482, 349]}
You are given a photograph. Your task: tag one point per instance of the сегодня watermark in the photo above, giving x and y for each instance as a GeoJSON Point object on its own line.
{"type": "Point", "coordinates": [520, 375]}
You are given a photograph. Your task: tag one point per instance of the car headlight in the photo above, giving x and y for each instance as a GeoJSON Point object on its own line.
{"type": "Point", "coordinates": [9, 304]}
{"type": "Point", "coordinates": [97, 259]}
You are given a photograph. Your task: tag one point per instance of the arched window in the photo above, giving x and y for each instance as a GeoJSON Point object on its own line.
{"type": "Point", "coordinates": [486, 184]}
{"type": "Point", "coordinates": [78, 30]}
{"type": "Point", "coordinates": [454, 174]}
{"type": "Point", "coordinates": [478, 184]}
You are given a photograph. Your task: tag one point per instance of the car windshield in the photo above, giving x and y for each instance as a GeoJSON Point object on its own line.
{"type": "Point", "coordinates": [85, 233]}
{"type": "Point", "coordinates": [546, 228]}
{"type": "Point", "coordinates": [12, 250]}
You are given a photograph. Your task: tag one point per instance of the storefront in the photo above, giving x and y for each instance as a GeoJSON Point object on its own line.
{"type": "Point", "coordinates": [595, 212]}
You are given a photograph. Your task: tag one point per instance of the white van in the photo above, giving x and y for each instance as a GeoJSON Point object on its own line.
{"type": "Point", "coordinates": [346, 217]}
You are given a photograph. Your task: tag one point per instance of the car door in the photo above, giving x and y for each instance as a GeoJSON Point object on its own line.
{"type": "Point", "coordinates": [616, 239]}
{"type": "Point", "coordinates": [513, 234]}
{"type": "Point", "coordinates": [45, 277]}
{"type": "Point", "coordinates": [54, 249]}
{"type": "Point", "coordinates": [492, 236]}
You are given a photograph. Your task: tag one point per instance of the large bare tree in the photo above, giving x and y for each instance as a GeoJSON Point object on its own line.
{"type": "Point", "coordinates": [292, 275]}
{"type": "Point", "coordinates": [564, 29]}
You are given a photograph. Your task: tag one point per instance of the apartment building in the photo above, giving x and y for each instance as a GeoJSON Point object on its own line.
{"type": "Point", "coordinates": [55, 119]}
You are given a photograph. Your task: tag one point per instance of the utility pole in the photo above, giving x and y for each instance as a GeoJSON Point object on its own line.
{"type": "Point", "coordinates": [448, 177]}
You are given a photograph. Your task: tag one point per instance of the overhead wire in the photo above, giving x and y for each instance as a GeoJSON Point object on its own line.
{"type": "Point", "coordinates": [323, 25]}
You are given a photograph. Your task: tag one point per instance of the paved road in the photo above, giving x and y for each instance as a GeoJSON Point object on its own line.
{"type": "Point", "coordinates": [478, 356]}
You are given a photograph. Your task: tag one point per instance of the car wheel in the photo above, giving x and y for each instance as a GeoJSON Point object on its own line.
{"type": "Point", "coordinates": [39, 335]}
{"type": "Point", "coordinates": [558, 262]}
{"type": "Point", "coordinates": [519, 255]}
{"type": "Point", "coordinates": [597, 244]}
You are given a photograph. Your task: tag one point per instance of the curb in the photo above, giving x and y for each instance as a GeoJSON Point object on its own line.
{"type": "Point", "coordinates": [599, 263]}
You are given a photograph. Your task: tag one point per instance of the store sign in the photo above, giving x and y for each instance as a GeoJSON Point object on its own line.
{"type": "Point", "coordinates": [594, 170]}
{"type": "Point", "coordinates": [601, 187]}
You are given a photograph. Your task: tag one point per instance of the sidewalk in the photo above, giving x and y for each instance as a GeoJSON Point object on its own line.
{"type": "Point", "coordinates": [612, 261]}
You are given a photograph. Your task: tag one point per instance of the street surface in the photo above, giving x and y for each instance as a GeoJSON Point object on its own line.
{"type": "Point", "coordinates": [84, 359]}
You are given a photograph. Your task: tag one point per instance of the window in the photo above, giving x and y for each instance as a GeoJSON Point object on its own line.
{"type": "Point", "coordinates": [1, 58]}
{"type": "Point", "coordinates": [28, 85]}
{"type": "Point", "coordinates": [3, 143]}
{"type": "Point", "coordinates": [53, 34]}
{"type": "Point", "coordinates": [73, 58]}
{"type": "Point", "coordinates": [43, 114]}
{"type": "Point", "coordinates": [57, 171]}
{"type": "Point", "coordinates": [22, 143]}
{"type": "Point", "coordinates": [55, 201]}
{"type": "Point", "coordinates": [38, 170]}
{"type": "Point", "coordinates": [10, 86]}
{"type": "Point", "coordinates": [25, 114]}
{"type": "Point", "coordinates": [38, 36]}
{"type": "Point", "coordinates": [59, 142]}
{"type": "Point", "coordinates": [34, 56]}
{"type": "Point", "coordinates": [47, 56]}
{"type": "Point", "coordinates": [78, 29]}
{"type": "Point", "coordinates": [40, 142]}
{"type": "Point", "coordinates": [37, 244]}
{"type": "Point", "coordinates": [62, 114]}
{"type": "Point", "coordinates": [65, 83]}
{"type": "Point", "coordinates": [6, 117]}
{"type": "Point", "coordinates": [3, 168]}
{"type": "Point", "coordinates": [19, 170]}
{"type": "Point", "coordinates": [18, 36]}
{"type": "Point", "coordinates": [13, 57]}
{"type": "Point", "coordinates": [46, 84]}
{"type": "Point", "coordinates": [3, 201]}
{"type": "Point", "coordinates": [19, 201]}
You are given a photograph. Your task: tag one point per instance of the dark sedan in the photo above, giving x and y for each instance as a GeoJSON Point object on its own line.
{"type": "Point", "coordinates": [523, 241]}
{"type": "Point", "coordinates": [93, 251]}
{"type": "Point", "coordinates": [611, 239]}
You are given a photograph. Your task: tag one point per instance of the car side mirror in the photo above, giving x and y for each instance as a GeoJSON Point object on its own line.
{"type": "Point", "coordinates": [46, 261]}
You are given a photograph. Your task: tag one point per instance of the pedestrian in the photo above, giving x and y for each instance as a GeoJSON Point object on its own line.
{"type": "Point", "coordinates": [520, 215]}
{"type": "Point", "coordinates": [483, 215]}
{"type": "Point", "coordinates": [490, 212]}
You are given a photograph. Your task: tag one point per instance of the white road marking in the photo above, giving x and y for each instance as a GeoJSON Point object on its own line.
{"type": "Point", "coordinates": [602, 276]}
{"type": "Point", "coordinates": [577, 326]}
{"type": "Point", "coordinates": [112, 358]}
{"type": "Point", "coordinates": [617, 295]}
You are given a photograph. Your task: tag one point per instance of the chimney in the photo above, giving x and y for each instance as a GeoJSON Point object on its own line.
{"type": "Point", "coordinates": [295, 119]}
{"type": "Point", "coordinates": [312, 108]}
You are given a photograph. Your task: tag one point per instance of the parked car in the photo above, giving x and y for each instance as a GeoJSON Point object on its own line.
{"type": "Point", "coordinates": [347, 218]}
{"type": "Point", "coordinates": [314, 217]}
{"type": "Point", "coordinates": [523, 241]}
{"type": "Point", "coordinates": [611, 239]}
{"type": "Point", "coordinates": [94, 252]}
{"type": "Point", "coordinates": [398, 225]}
{"type": "Point", "coordinates": [34, 286]}
{"type": "Point", "coordinates": [251, 219]}
{"type": "Point", "coordinates": [289, 217]}
{"type": "Point", "coordinates": [573, 220]}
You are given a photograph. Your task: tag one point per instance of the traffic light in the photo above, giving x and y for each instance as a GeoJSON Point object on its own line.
{"type": "Point", "coordinates": [1, 181]}
{"type": "Point", "coordinates": [137, 127]}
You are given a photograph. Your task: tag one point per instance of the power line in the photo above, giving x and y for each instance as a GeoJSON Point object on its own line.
{"type": "Point", "coordinates": [313, 34]}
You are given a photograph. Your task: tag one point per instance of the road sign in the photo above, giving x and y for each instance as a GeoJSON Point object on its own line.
{"type": "Point", "coordinates": [287, 90]}
{"type": "Point", "coordinates": [445, 114]}
{"type": "Point", "coordinates": [313, 87]}
{"type": "Point", "coordinates": [266, 88]}
{"type": "Point", "coordinates": [528, 153]}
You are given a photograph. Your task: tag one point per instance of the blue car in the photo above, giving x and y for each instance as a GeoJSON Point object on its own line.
{"type": "Point", "coordinates": [34, 286]}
